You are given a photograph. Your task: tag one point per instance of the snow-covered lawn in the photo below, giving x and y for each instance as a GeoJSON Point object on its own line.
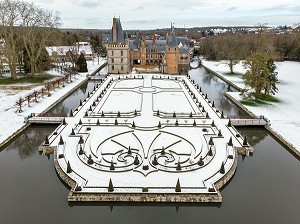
{"type": "Point", "coordinates": [11, 121]}
{"type": "Point", "coordinates": [284, 116]}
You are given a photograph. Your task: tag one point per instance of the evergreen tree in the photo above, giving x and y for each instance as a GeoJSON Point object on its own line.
{"type": "Point", "coordinates": [81, 64]}
{"type": "Point", "coordinates": [260, 76]}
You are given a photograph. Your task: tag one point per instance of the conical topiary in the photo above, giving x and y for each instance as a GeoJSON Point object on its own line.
{"type": "Point", "coordinates": [94, 103]}
{"type": "Point", "coordinates": [116, 122]}
{"type": "Point", "coordinates": [178, 167]}
{"type": "Point", "coordinates": [136, 161]}
{"type": "Point", "coordinates": [80, 103]}
{"type": "Point", "coordinates": [46, 143]}
{"type": "Point", "coordinates": [230, 142]}
{"type": "Point", "coordinates": [174, 114]}
{"type": "Point", "coordinates": [90, 160]}
{"type": "Point", "coordinates": [155, 162]}
{"type": "Point", "coordinates": [176, 122]}
{"type": "Point", "coordinates": [61, 141]}
{"type": "Point", "coordinates": [119, 114]}
{"type": "Point", "coordinates": [229, 123]}
{"type": "Point", "coordinates": [112, 166]}
{"type": "Point", "coordinates": [159, 125]}
{"type": "Point", "coordinates": [222, 169]}
{"type": "Point", "coordinates": [90, 109]}
{"type": "Point", "coordinates": [213, 104]}
{"type": "Point", "coordinates": [80, 122]}
{"type": "Point", "coordinates": [88, 96]}
{"type": "Point", "coordinates": [71, 113]}
{"type": "Point", "coordinates": [98, 122]}
{"type": "Point", "coordinates": [222, 114]}
{"type": "Point", "coordinates": [245, 142]}
{"type": "Point", "coordinates": [72, 132]}
{"type": "Point", "coordinates": [135, 112]}
{"type": "Point", "coordinates": [129, 151]}
{"type": "Point", "coordinates": [200, 105]}
{"type": "Point", "coordinates": [178, 187]}
{"type": "Point", "coordinates": [86, 114]}
{"type": "Point", "coordinates": [157, 113]}
{"type": "Point", "coordinates": [207, 116]}
{"type": "Point", "coordinates": [194, 124]}
{"type": "Point", "coordinates": [133, 125]}
{"type": "Point", "coordinates": [213, 124]}
{"type": "Point", "coordinates": [191, 114]}
{"type": "Point", "coordinates": [110, 186]}
{"type": "Point", "coordinates": [64, 122]}
{"type": "Point", "coordinates": [163, 152]}
{"type": "Point", "coordinates": [201, 162]}
{"type": "Point", "coordinates": [210, 152]}
{"type": "Point", "coordinates": [220, 134]}
{"type": "Point", "coordinates": [102, 114]}
{"type": "Point", "coordinates": [81, 141]}
{"type": "Point", "coordinates": [69, 169]}
{"type": "Point", "coordinates": [203, 110]}
{"type": "Point", "coordinates": [206, 96]}
{"type": "Point", "coordinates": [81, 152]}
{"type": "Point", "coordinates": [211, 141]}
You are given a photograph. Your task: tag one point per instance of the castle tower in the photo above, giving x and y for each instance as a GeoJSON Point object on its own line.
{"type": "Point", "coordinates": [172, 53]}
{"type": "Point", "coordinates": [117, 50]}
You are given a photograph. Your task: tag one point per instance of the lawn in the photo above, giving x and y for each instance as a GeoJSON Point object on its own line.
{"type": "Point", "coordinates": [26, 79]}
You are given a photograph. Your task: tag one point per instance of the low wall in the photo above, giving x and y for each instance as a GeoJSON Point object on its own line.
{"type": "Point", "coordinates": [123, 197]}
{"type": "Point", "coordinates": [222, 78]}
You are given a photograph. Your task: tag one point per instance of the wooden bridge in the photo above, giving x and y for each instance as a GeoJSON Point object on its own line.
{"type": "Point", "coordinates": [44, 119]}
{"type": "Point", "coordinates": [257, 121]}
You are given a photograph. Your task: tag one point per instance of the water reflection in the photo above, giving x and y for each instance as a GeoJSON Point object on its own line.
{"type": "Point", "coordinates": [254, 134]}
{"type": "Point", "coordinates": [28, 142]}
{"type": "Point", "coordinates": [215, 89]}
{"type": "Point", "coordinates": [70, 103]}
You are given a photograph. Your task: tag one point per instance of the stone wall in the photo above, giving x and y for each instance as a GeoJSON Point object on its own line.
{"type": "Point", "coordinates": [122, 197]}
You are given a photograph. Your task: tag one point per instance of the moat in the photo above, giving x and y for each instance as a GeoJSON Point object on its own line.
{"type": "Point", "coordinates": [265, 188]}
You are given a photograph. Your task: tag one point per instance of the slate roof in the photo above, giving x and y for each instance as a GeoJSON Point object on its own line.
{"type": "Point", "coordinates": [120, 34]}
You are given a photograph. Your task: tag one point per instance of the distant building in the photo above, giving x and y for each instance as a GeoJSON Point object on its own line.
{"type": "Point", "coordinates": [171, 54]}
{"type": "Point", "coordinates": [64, 52]}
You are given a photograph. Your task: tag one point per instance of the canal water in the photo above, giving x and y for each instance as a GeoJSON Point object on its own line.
{"type": "Point", "coordinates": [265, 188]}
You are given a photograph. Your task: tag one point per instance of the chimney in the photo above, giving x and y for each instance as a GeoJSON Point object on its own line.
{"type": "Point", "coordinates": [114, 31]}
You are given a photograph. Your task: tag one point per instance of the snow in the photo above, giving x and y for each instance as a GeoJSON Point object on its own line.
{"type": "Point", "coordinates": [11, 120]}
{"type": "Point", "coordinates": [284, 116]}
{"type": "Point", "coordinates": [108, 143]}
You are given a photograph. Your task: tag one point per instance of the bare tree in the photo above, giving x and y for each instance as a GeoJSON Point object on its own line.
{"type": "Point", "coordinates": [37, 27]}
{"type": "Point", "coordinates": [27, 24]}
{"type": "Point", "coordinates": [10, 20]}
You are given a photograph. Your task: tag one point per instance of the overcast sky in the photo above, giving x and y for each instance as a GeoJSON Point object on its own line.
{"type": "Point", "coordinates": [152, 14]}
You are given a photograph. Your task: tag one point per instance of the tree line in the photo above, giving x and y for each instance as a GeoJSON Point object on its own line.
{"type": "Point", "coordinates": [26, 28]}
{"type": "Point", "coordinates": [259, 52]}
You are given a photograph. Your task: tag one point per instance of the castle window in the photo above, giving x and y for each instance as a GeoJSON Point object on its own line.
{"type": "Point", "coordinates": [112, 67]}
{"type": "Point", "coordinates": [122, 67]}
{"type": "Point", "coordinates": [112, 53]}
{"type": "Point", "coordinates": [121, 60]}
{"type": "Point", "coordinates": [112, 60]}
{"type": "Point", "coordinates": [121, 53]}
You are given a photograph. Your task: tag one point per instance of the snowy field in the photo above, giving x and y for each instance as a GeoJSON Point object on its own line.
{"type": "Point", "coordinates": [11, 121]}
{"type": "Point", "coordinates": [284, 116]}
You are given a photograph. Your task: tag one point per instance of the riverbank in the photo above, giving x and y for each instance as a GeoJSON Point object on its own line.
{"type": "Point", "coordinates": [12, 122]}
{"type": "Point", "coordinates": [283, 115]}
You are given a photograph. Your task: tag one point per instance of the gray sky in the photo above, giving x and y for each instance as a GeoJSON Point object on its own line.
{"type": "Point", "coordinates": [152, 14]}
